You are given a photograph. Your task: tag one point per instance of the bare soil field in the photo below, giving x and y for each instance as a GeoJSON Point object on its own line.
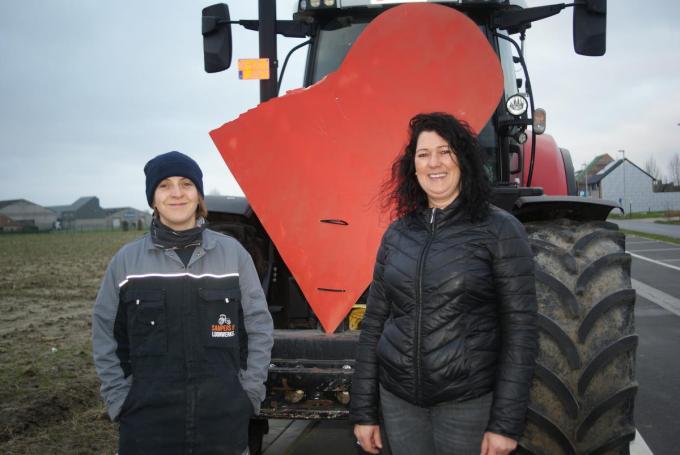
{"type": "Point", "coordinates": [49, 393]}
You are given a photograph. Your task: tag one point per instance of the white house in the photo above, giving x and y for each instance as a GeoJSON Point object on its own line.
{"type": "Point", "coordinates": [631, 187]}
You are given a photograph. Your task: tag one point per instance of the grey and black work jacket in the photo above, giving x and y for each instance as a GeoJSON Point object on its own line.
{"type": "Point", "coordinates": [182, 351]}
{"type": "Point", "coordinates": [451, 316]}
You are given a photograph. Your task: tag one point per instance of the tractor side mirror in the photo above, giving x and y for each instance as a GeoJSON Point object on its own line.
{"type": "Point", "coordinates": [216, 29]}
{"type": "Point", "coordinates": [590, 27]}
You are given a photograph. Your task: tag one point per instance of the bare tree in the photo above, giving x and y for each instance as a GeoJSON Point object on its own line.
{"type": "Point", "coordinates": [652, 169]}
{"type": "Point", "coordinates": [674, 170]}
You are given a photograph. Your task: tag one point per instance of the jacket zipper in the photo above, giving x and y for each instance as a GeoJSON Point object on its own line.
{"type": "Point", "coordinates": [419, 304]}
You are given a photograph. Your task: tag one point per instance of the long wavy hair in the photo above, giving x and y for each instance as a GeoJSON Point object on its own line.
{"type": "Point", "coordinates": [403, 194]}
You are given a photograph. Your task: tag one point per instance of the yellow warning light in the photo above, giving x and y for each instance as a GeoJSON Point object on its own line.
{"type": "Point", "coordinates": [253, 68]}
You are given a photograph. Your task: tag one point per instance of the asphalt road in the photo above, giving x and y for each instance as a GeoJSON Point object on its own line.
{"type": "Point", "coordinates": [658, 373]}
{"type": "Point", "coordinates": [657, 319]}
{"type": "Point", "coordinates": [656, 277]}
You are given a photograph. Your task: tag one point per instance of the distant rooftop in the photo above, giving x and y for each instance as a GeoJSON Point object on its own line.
{"type": "Point", "coordinates": [4, 204]}
{"type": "Point", "coordinates": [602, 173]}
{"type": "Point", "coordinates": [72, 207]}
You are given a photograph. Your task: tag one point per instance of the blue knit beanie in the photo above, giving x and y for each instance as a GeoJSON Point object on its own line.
{"type": "Point", "coordinates": [171, 164]}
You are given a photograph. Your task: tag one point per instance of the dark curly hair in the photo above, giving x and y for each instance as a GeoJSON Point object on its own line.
{"type": "Point", "coordinates": [403, 194]}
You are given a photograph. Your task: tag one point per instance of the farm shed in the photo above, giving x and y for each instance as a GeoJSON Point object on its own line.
{"type": "Point", "coordinates": [127, 218]}
{"type": "Point", "coordinates": [28, 214]}
{"type": "Point", "coordinates": [83, 214]}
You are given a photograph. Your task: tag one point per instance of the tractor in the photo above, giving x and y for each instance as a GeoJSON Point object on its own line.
{"type": "Point", "coordinates": [311, 163]}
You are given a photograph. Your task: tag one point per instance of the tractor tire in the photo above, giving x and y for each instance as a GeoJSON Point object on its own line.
{"type": "Point", "coordinates": [584, 386]}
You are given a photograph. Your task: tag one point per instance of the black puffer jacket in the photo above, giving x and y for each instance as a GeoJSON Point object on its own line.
{"type": "Point", "coordinates": [451, 315]}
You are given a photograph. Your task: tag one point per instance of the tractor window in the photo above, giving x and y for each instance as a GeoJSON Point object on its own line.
{"type": "Point", "coordinates": [331, 48]}
{"type": "Point", "coordinates": [509, 74]}
{"type": "Point", "coordinates": [487, 141]}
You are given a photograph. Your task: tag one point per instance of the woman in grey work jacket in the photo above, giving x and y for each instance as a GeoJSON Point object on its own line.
{"type": "Point", "coordinates": [181, 333]}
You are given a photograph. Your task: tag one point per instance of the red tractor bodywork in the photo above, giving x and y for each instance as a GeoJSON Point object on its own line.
{"type": "Point", "coordinates": [549, 169]}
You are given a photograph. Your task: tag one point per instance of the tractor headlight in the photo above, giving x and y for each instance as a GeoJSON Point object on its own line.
{"type": "Point", "coordinates": [517, 105]}
{"type": "Point", "coordinates": [314, 4]}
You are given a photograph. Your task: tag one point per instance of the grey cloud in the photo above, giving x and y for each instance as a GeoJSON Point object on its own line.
{"type": "Point", "coordinates": [91, 90]}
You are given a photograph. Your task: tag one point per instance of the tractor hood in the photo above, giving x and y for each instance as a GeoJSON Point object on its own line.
{"type": "Point", "coordinates": [312, 162]}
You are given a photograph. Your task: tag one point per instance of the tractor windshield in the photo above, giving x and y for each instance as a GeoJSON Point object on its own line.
{"type": "Point", "coordinates": [329, 50]}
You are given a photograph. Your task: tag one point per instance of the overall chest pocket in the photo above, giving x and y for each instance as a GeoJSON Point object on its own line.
{"type": "Point", "coordinates": [146, 317]}
{"type": "Point", "coordinates": [221, 317]}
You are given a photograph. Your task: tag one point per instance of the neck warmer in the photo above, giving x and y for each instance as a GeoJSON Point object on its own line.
{"type": "Point", "coordinates": [164, 237]}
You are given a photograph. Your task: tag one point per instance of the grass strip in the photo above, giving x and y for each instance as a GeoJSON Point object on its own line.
{"type": "Point", "coordinates": [643, 215]}
{"type": "Point", "coordinates": [661, 238]}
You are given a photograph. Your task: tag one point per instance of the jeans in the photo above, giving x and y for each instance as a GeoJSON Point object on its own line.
{"type": "Point", "coordinates": [446, 428]}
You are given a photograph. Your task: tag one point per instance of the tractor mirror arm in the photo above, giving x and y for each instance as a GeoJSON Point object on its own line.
{"type": "Point", "coordinates": [518, 20]}
{"type": "Point", "coordinates": [289, 29]}
{"type": "Point", "coordinates": [589, 22]}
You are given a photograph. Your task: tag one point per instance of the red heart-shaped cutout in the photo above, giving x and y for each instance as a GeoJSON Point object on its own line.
{"type": "Point", "coordinates": [323, 152]}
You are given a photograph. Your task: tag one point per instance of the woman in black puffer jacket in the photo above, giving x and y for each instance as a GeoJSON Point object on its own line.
{"type": "Point", "coordinates": [449, 339]}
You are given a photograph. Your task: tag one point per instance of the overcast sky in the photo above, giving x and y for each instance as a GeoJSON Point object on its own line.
{"type": "Point", "coordinates": [91, 90]}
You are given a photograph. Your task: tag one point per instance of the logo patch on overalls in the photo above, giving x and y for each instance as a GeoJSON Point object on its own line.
{"type": "Point", "coordinates": [224, 328]}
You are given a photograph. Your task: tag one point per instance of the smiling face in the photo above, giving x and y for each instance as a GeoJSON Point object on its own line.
{"type": "Point", "coordinates": [437, 169]}
{"type": "Point", "coordinates": [176, 199]}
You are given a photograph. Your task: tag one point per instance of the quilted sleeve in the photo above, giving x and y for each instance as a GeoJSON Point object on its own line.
{"type": "Point", "coordinates": [364, 396]}
{"type": "Point", "coordinates": [513, 273]}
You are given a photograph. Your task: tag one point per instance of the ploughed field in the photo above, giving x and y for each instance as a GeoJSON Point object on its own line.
{"type": "Point", "coordinates": [49, 393]}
